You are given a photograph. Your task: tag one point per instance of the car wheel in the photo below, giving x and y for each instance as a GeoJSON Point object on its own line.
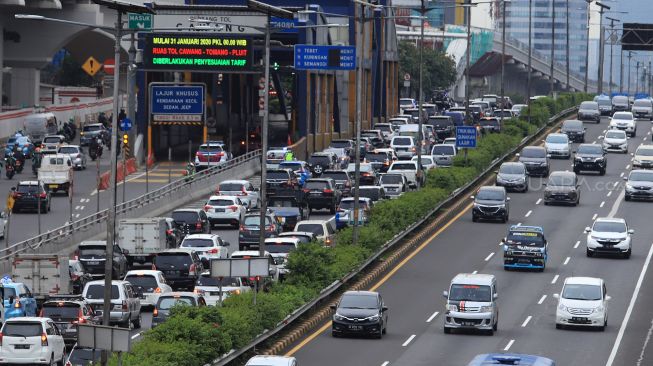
{"type": "Point", "coordinates": [51, 363]}
{"type": "Point", "coordinates": [137, 321]}
{"type": "Point", "coordinates": [334, 334]}
{"type": "Point", "coordinates": [602, 328]}
{"type": "Point", "coordinates": [495, 327]}
{"type": "Point", "coordinates": [474, 218]}
{"type": "Point", "coordinates": [602, 172]}
{"type": "Point", "coordinates": [628, 253]}
{"type": "Point", "coordinates": [627, 198]}
{"type": "Point", "coordinates": [589, 253]}
{"type": "Point", "coordinates": [559, 326]}
{"type": "Point", "coordinates": [447, 330]}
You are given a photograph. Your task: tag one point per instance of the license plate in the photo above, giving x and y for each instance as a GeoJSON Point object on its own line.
{"type": "Point", "coordinates": [218, 210]}
{"type": "Point", "coordinates": [316, 193]}
{"type": "Point", "coordinates": [468, 324]}
{"type": "Point", "coordinates": [21, 346]}
{"type": "Point", "coordinates": [579, 320]}
{"type": "Point", "coordinates": [355, 327]}
{"type": "Point", "coordinates": [53, 185]}
{"type": "Point", "coordinates": [93, 263]}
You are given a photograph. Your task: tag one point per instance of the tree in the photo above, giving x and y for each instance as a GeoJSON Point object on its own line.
{"type": "Point", "coordinates": [439, 70]}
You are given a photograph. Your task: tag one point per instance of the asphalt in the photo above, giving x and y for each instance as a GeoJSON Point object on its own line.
{"type": "Point", "coordinates": [527, 309]}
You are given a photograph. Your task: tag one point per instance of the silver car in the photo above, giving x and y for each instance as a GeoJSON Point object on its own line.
{"type": "Point", "coordinates": [643, 108]}
{"type": "Point", "coordinates": [615, 140]}
{"type": "Point", "coordinates": [77, 156]}
{"type": "Point", "coordinates": [557, 145]}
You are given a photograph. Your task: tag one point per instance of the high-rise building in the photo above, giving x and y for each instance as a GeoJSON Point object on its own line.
{"type": "Point", "coordinates": [517, 17]}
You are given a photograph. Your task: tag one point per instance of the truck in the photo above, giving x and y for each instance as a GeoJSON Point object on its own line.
{"type": "Point", "coordinates": [525, 247]}
{"type": "Point", "coordinates": [38, 125]}
{"type": "Point", "coordinates": [142, 238]}
{"type": "Point", "coordinates": [45, 275]}
{"type": "Point", "coordinates": [56, 172]}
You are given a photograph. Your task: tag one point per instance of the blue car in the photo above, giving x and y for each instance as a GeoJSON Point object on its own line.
{"type": "Point", "coordinates": [23, 142]}
{"type": "Point", "coordinates": [18, 299]}
{"type": "Point", "coordinates": [525, 247]}
{"type": "Point", "coordinates": [514, 359]}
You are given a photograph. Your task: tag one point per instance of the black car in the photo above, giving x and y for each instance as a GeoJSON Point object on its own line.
{"type": "Point", "coordinates": [574, 130]}
{"type": "Point", "coordinates": [92, 255]}
{"type": "Point", "coordinates": [66, 311]}
{"type": "Point", "coordinates": [361, 313]}
{"type": "Point", "coordinates": [322, 193]}
{"type": "Point", "coordinates": [319, 162]}
{"type": "Point", "coordinates": [375, 136]}
{"type": "Point", "coordinates": [167, 301]}
{"type": "Point", "coordinates": [562, 187]}
{"type": "Point", "coordinates": [343, 180]}
{"type": "Point", "coordinates": [281, 181]}
{"type": "Point", "coordinates": [512, 175]}
{"type": "Point", "coordinates": [491, 203]}
{"type": "Point", "coordinates": [191, 221]}
{"type": "Point", "coordinates": [249, 233]}
{"type": "Point", "coordinates": [181, 267]}
{"type": "Point", "coordinates": [27, 195]}
{"type": "Point", "coordinates": [590, 157]}
{"type": "Point", "coordinates": [536, 160]}
{"type": "Point", "coordinates": [442, 125]}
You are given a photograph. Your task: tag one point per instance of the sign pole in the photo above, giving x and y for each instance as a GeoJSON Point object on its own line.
{"type": "Point", "coordinates": [97, 164]}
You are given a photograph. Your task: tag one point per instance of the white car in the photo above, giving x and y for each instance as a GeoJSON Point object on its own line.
{"type": "Point", "coordinates": [31, 340]}
{"type": "Point", "coordinates": [517, 109]}
{"type": "Point", "coordinates": [409, 170]}
{"type": "Point", "coordinates": [77, 156]}
{"type": "Point", "coordinates": [643, 157]}
{"type": "Point", "coordinates": [242, 189]}
{"type": "Point", "coordinates": [615, 140]}
{"type": "Point", "coordinates": [225, 210]}
{"type": "Point", "coordinates": [583, 302]}
{"type": "Point", "coordinates": [443, 154]}
{"type": "Point", "coordinates": [643, 108]}
{"type": "Point", "coordinates": [212, 287]}
{"type": "Point", "coordinates": [449, 141]}
{"type": "Point", "coordinates": [212, 153]}
{"type": "Point", "coordinates": [404, 147]}
{"type": "Point", "coordinates": [624, 121]}
{"type": "Point", "coordinates": [428, 162]}
{"type": "Point", "coordinates": [393, 184]}
{"type": "Point", "coordinates": [150, 282]}
{"type": "Point", "coordinates": [609, 236]}
{"type": "Point", "coordinates": [279, 249]}
{"type": "Point", "coordinates": [207, 246]}
{"type": "Point", "coordinates": [274, 157]}
{"type": "Point", "coordinates": [557, 145]}
{"type": "Point", "coordinates": [271, 361]}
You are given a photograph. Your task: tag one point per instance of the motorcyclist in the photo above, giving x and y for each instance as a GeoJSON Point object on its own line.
{"type": "Point", "coordinates": [93, 145]}
{"type": "Point", "coordinates": [288, 156]}
{"type": "Point", "coordinates": [36, 160]}
{"type": "Point", "coordinates": [190, 171]}
{"type": "Point", "coordinates": [18, 154]}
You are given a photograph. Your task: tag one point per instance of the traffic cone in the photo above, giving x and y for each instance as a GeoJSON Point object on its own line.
{"type": "Point", "coordinates": [289, 142]}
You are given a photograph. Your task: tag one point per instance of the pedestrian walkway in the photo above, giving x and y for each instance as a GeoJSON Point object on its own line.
{"type": "Point", "coordinates": [163, 172]}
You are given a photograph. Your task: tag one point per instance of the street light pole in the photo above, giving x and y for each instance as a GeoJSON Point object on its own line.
{"type": "Point", "coordinates": [264, 138]}
{"type": "Point", "coordinates": [503, 57]}
{"type": "Point", "coordinates": [420, 136]}
{"type": "Point", "coordinates": [530, 51]}
{"type": "Point", "coordinates": [601, 45]}
{"type": "Point", "coordinates": [587, 45]}
{"type": "Point", "coordinates": [637, 78]}
{"type": "Point", "coordinates": [567, 44]}
{"type": "Point", "coordinates": [467, 60]}
{"type": "Point", "coordinates": [612, 20]}
{"type": "Point", "coordinates": [630, 56]}
{"type": "Point", "coordinates": [621, 70]}
{"type": "Point", "coordinates": [553, 45]}
{"type": "Point", "coordinates": [359, 116]}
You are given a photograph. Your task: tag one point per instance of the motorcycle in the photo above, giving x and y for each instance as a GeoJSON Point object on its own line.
{"type": "Point", "coordinates": [190, 172]}
{"type": "Point", "coordinates": [19, 166]}
{"type": "Point", "coordinates": [9, 168]}
{"type": "Point", "coordinates": [95, 153]}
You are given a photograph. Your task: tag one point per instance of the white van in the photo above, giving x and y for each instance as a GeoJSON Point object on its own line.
{"type": "Point", "coordinates": [404, 147]}
{"type": "Point", "coordinates": [443, 154]}
{"type": "Point", "coordinates": [56, 172]}
{"type": "Point", "coordinates": [472, 303]}
{"type": "Point", "coordinates": [324, 230]}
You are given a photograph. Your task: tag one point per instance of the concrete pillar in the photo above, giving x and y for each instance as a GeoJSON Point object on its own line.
{"type": "Point", "coordinates": [25, 87]}
{"type": "Point", "coordinates": [2, 47]}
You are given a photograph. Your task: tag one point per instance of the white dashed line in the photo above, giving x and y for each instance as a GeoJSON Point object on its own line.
{"type": "Point", "coordinates": [538, 201]}
{"type": "Point", "coordinates": [602, 204]}
{"type": "Point", "coordinates": [81, 208]}
{"type": "Point", "coordinates": [507, 347]}
{"type": "Point", "coordinates": [489, 256]}
{"type": "Point", "coordinates": [621, 175]}
{"type": "Point", "coordinates": [604, 131]}
{"type": "Point", "coordinates": [628, 166]}
{"type": "Point", "coordinates": [577, 244]}
{"type": "Point", "coordinates": [594, 142]}
{"type": "Point", "coordinates": [609, 193]}
{"type": "Point", "coordinates": [136, 335]}
{"type": "Point", "coordinates": [475, 272]}
{"type": "Point", "coordinates": [76, 216]}
{"type": "Point", "coordinates": [386, 363]}
{"type": "Point", "coordinates": [555, 279]}
{"type": "Point", "coordinates": [76, 207]}
{"type": "Point", "coordinates": [430, 319]}
{"type": "Point", "coordinates": [410, 339]}
{"type": "Point", "coordinates": [541, 300]}
{"type": "Point", "coordinates": [519, 224]}
{"type": "Point", "coordinates": [528, 213]}
{"type": "Point", "coordinates": [525, 323]}
{"type": "Point", "coordinates": [595, 216]}
{"type": "Point", "coordinates": [566, 261]}
{"type": "Point", "coordinates": [81, 201]}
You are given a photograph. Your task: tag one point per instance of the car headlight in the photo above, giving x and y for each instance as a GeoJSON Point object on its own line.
{"type": "Point", "coordinates": [452, 307]}
{"type": "Point", "coordinates": [486, 309]}
{"type": "Point", "coordinates": [598, 309]}
{"type": "Point", "coordinates": [629, 187]}
{"type": "Point", "coordinates": [338, 317]}
{"type": "Point", "coordinates": [562, 307]}
{"type": "Point", "coordinates": [373, 318]}
{"type": "Point", "coordinates": [637, 161]}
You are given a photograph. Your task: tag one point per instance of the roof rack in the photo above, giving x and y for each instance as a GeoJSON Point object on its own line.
{"type": "Point", "coordinates": [66, 298]}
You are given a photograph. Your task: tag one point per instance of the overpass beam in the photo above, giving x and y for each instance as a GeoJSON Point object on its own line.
{"type": "Point", "coordinates": [25, 86]}
{"type": "Point", "coordinates": [2, 56]}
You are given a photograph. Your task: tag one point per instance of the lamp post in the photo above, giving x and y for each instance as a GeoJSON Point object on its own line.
{"type": "Point", "coordinates": [530, 51]}
{"type": "Point", "coordinates": [602, 8]}
{"type": "Point", "coordinates": [468, 11]}
{"type": "Point", "coordinates": [612, 21]}
{"type": "Point", "coordinates": [567, 43]}
{"type": "Point", "coordinates": [630, 56]}
{"type": "Point", "coordinates": [621, 70]}
{"type": "Point", "coordinates": [587, 46]}
{"type": "Point", "coordinates": [553, 45]}
{"type": "Point", "coordinates": [503, 56]}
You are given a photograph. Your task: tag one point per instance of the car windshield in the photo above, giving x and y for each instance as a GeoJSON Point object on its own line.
{"type": "Point", "coordinates": [60, 311]}
{"type": "Point", "coordinates": [641, 176]}
{"type": "Point", "coordinates": [277, 174]}
{"type": "Point", "coordinates": [166, 303]}
{"type": "Point", "coordinates": [488, 122]}
{"type": "Point", "coordinates": [642, 103]}
{"type": "Point", "coordinates": [604, 102]}
{"type": "Point", "coordinates": [561, 180]}
{"type": "Point", "coordinates": [316, 229]}
{"type": "Point", "coordinates": [443, 150]}
{"type": "Point", "coordinates": [376, 157]}
{"type": "Point", "coordinates": [276, 155]}
{"type": "Point", "coordinates": [648, 151]}
{"type": "Point", "coordinates": [147, 283]}
{"type": "Point", "coordinates": [210, 148]}
{"type": "Point", "coordinates": [173, 260]}
{"type": "Point", "coordinates": [96, 292]}
{"type": "Point", "coordinates": [22, 329]}
{"type": "Point", "coordinates": [316, 185]}
{"type": "Point", "coordinates": [620, 99]}
{"type": "Point", "coordinates": [590, 149]}
{"type": "Point", "coordinates": [207, 280]}
{"type": "Point", "coordinates": [533, 153]}
{"type": "Point", "coordinates": [402, 141]}
{"type": "Point", "coordinates": [87, 252]}
{"type": "Point", "coordinates": [440, 122]}
{"type": "Point", "coordinates": [292, 166]}
{"type": "Point", "coordinates": [68, 150]}
{"type": "Point", "coordinates": [372, 193]}
{"type": "Point", "coordinates": [279, 202]}
{"type": "Point", "coordinates": [27, 188]}
{"type": "Point", "coordinates": [475, 293]}
{"type": "Point", "coordinates": [615, 135]}
{"type": "Point", "coordinates": [337, 175]}
{"type": "Point", "coordinates": [529, 238]}
{"type": "Point", "coordinates": [557, 139]}
{"type": "Point", "coordinates": [349, 204]}
{"type": "Point", "coordinates": [50, 140]}
{"type": "Point", "coordinates": [185, 216]}
{"type": "Point", "coordinates": [196, 243]}
{"type": "Point", "coordinates": [279, 247]}
{"type": "Point", "coordinates": [609, 227]}
{"type": "Point", "coordinates": [359, 301]}
{"type": "Point", "coordinates": [322, 160]}
{"type": "Point", "coordinates": [503, 113]}
{"type": "Point", "coordinates": [221, 202]}
{"type": "Point", "coordinates": [403, 166]}
{"type": "Point", "coordinates": [230, 187]}
{"type": "Point", "coordinates": [475, 108]}
{"type": "Point", "coordinates": [341, 144]}
{"type": "Point", "coordinates": [384, 128]}
{"type": "Point", "coordinates": [625, 116]}
{"type": "Point", "coordinates": [582, 292]}
{"type": "Point", "coordinates": [572, 126]}
{"type": "Point", "coordinates": [512, 169]}
{"type": "Point", "coordinates": [588, 105]}
{"type": "Point", "coordinates": [490, 195]}
{"type": "Point", "coordinates": [392, 179]}
{"type": "Point", "coordinates": [92, 128]}
{"type": "Point", "coordinates": [255, 221]}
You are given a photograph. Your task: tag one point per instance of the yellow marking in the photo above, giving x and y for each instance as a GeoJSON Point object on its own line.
{"type": "Point", "coordinates": [143, 180]}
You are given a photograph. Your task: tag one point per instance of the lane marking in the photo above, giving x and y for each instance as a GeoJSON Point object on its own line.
{"type": "Point", "coordinates": [489, 256]}
{"type": "Point", "coordinates": [627, 166]}
{"type": "Point", "coordinates": [648, 338]}
{"type": "Point", "coordinates": [633, 299]}
{"type": "Point", "coordinates": [595, 216]}
{"type": "Point", "coordinates": [430, 319]}
{"type": "Point", "coordinates": [602, 204]}
{"type": "Point", "coordinates": [621, 175]}
{"type": "Point", "coordinates": [408, 340]}
{"type": "Point", "coordinates": [594, 142]}
{"type": "Point", "coordinates": [523, 325]}
{"type": "Point", "coordinates": [386, 363]}
{"type": "Point", "coordinates": [475, 272]}
{"type": "Point", "coordinates": [385, 278]}
{"type": "Point", "coordinates": [136, 335]}
{"type": "Point", "coordinates": [566, 261]}
{"type": "Point", "coordinates": [76, 216]}
{"type": "Point", "coordinates": [81, 208]}
{"type": "Point", "coordinates": [528, 213]}
{"type": "Point", "coordinates": [507, 347]}
{"type": "Point", "coordinates": [538, 201]}
{"type": "Point", "coordinates": [519, 224]}
{"type": "Point", "coordinates": [76, 207]}
{"type": "Point", "coordinates": [604, 131]}
{"type": "Point", "coordinates": [541, 300]}
{"type": "Point", "coordinates": [555, 279]}
{"type": "Point", "coordinates": [577, 244]}
{"type": "Point", "coordinates": [609, 193]}
{"type": "Point", "coordinates": [81, 201]}
{"type": "Point", "coordinates": [617, 203]}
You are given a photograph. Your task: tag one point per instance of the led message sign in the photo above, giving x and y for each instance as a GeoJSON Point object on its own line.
{"type": "Point", "coordinates": [199, 52]}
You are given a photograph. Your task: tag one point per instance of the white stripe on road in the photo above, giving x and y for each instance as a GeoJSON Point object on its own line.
{"type": "Point", "coordinates": [609, 193]}
{"type": "Point", "coordinates": [523, 325]}
{"type": "Point", "coordinates": [538, 201]}
{"type": "Point", "coordinates": [81, 208]}
{"type": "Point", "coordinates": [528, 213]}
{"type": "Point", "coordinates": [507, 347]}
{"type": "Point", "coordinates": [430, 319]}
{"type": "Point", "coordinates": [541, 300]}
{"type": "Point", "coordinates": [136, 335]}
{"type": "Point", "coordinates": [627, 166]}
{"type": "Point", "coordinates": [566, 261]}
{"type": "Point", "coordinates": [595, 216]}
{"type": "Point", "coordinates": [76, 216]}
{"type": "Point", "coordinates": [622, 174]}
{"type": "Point", "coordinates": [489, 256]}
{"type": "Point", "coordinates": [555, 279]}
{"type": "Point", "coordinates": [577, 244]}
{"type": "Point", "coordinates": [386, 363]}
{"type": "Point", "coordinates": [475, 272]}
{"type": "Point", "coordinates": [602, 204]}
{"type": "Point", "coordinates": [76, 207]}
{"type": "Point", "coordinates": [617, 203]}
{"type": "Point", "coordinates": [408, 340]}
{"type": "Point", "coordinates": [633, 299]}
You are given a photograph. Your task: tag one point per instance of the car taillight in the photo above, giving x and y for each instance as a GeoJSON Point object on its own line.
{"type": "Point", "coordinates": [306, 190]}
{"type": "Point", "coordinates": [386, 163]}
{"type": "Point", "coordinates": [347, 184]}
{"type": "Point", "coordinates": [236, 292]}
{"type": "Point", "coordinates": [233, 208]}
{"type": "Point", "coordinates": [242, 228]}
{"type": "Point", "coordinates": [153, 267]}
{"type": "Point", "coordinates": [155, 312]}
{"type": "Point", "coordinates": [17, 194]}
{"type": "Point", "coordinates": [191, 270]}
{"type": "Point", "coordinates": [43, 195]}
{"type": "Point", "coordinates": [80, 318]}
{"type": "Point", "coordinates": [328, 191]}
{"type": "Point", "coordinates": [17, 303]}
{"type": "Point", "coordinates": [124, 305]}
{"type": "Point", "coordinates": [270, 228]}
{"type": "Point", "coordinates": [44, 340]}
{"type": "Point", "coordinates": [198, 225]}
{"type": "Point", "coordinates": [1, 335]}
{"type": "Point", "coordinates": [207, 208]}
{"type": "Point", "coordinates": [243, 192]}
{"type": "Point", "coordinates": [212, 251]}
{"type": "Point", "coordinates": [157, 290]}
{"type": "Point", "coordinates": [169, 232]}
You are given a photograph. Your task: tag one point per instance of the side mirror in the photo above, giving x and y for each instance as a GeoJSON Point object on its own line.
{"type": "Point", "coordinates": [608, 298]}
{"type": "Point", "coordinates": [631, 231]}
{"type": "Point", "coordinates": [626, 178]}
{"type": "Point", "coordinates": [13, 189]}
{"type": "Point", "coordinates": [544, 184]}
{"type": "Point", "coordinates": [495, 296]}
{"type": "Point", "coordinates": [587, 229]}
{"type": "Point", "coordinates": [445, 294]}
{"type": "Point", "coordinates": [256, 189]}
{"type": "Point", "coordinates": [472, 197]}
{"type": "Point", "coordinates": [226, 243]}
{"type": "Point", "coordinates": [556, 296]}
{"type": "Point", "coordinates": [574, 151]}
{"type": "Point", "coordinates": [125, 251]}
{"type": "Point", "coordinates": [384, 309]}
{"type": "Point", "coordinates": [507, 198]}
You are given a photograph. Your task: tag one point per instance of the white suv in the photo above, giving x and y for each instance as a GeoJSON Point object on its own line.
{"type": "Point", "coordinates": [583, 302]}
{"type": "Point", "coordinates": [624, 121]}
{"type": "Point", "coordinates": [609, 236]}
{"type": "Point", "coordinates": [31, 340]}
{"type": "Point", "coordinates": [207, 246]}
{"type": "Point", "coordinates": [225, 210]}
{"type": "Point", "coordinates": [150, 283]}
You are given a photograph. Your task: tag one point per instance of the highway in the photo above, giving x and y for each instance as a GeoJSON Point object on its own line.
{"type": "Point", "coordinates": [413, 291]}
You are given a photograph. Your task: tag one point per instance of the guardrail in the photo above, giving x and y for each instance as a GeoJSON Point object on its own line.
{"type": "Point", "coordinates": [335, 286]}
{"type": "Point", "coordinates": [184, 185]}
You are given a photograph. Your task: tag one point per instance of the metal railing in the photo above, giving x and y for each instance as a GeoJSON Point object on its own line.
{"type": "Point", "coordinates": [336, 285]}
{"type": "Point", "coordinates": [64, 233]}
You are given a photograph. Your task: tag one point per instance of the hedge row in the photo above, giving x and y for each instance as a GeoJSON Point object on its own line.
{"type": "Point", "coordinates": [196, 336]}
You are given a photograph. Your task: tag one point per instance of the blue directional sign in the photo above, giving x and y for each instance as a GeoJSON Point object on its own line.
{"type": "Point", "coordinates": [125, 125]}
{"type": "Point", "coordinates": [176, 102]}
{"type": "Point", "coordinates": [312, 57]}
{"type": "Point", "coordinates": [466, 136]}
{"type": "Point", "coordinates": [641, 95]}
